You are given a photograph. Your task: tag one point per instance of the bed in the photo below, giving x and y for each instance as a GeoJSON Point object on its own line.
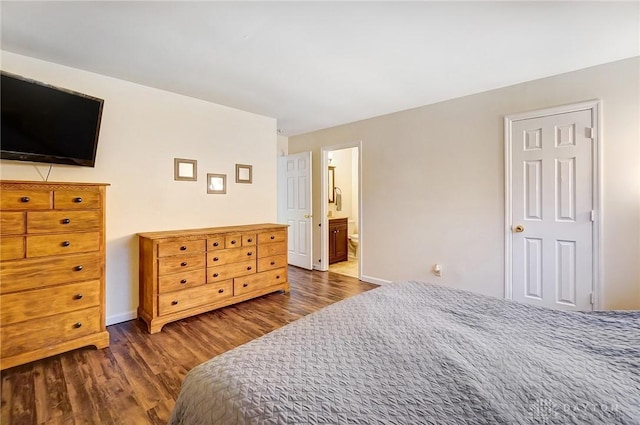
{"type": "Point", "coordinates": [415, 353]}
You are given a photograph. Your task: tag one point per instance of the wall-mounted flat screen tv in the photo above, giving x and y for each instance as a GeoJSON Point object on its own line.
{"type": "Point", "coordinates": [42, 123]}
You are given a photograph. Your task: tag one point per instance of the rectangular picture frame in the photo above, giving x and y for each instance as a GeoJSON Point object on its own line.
{"type": "Point", "coordinates": [244, 173]}
{"type": "Point", "coordinates": [216, 183]}
{"type": "Point", "coordinates": [185, 169]}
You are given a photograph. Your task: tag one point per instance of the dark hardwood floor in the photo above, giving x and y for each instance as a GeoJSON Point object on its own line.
{"type": "Point", "coordinates": [137, 379]}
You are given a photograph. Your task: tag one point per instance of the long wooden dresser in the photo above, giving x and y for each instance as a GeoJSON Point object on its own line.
{"type": "Point", "coordinates": [188, 272]}
{"type": "Point", "coordinates": [52, 269]}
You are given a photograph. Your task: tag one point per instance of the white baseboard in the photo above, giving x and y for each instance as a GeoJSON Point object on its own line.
{"type": "Point", "coordinates": [374, 280]}
{"type": "Point", "coordinates": [122, 317]}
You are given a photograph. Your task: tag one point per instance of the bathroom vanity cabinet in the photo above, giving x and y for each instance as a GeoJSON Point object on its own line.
{"type": "Point", "coordinates": [338, 240]}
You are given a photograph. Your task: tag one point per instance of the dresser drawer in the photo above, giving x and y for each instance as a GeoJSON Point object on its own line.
{"type": "Point", "coordinates": [168, 265]}
{"type": "Point", "coordinates": [233, 241]}
{"type": "Point", "coordinates": [238, 240]}
{"type": "Point", "coordinates": [181, 280]}
{"type": "Point", "coordinates": [11, 248]}
{"type": "Point", "coordinates": [27, 305]}
{"type": "Point", "coordinates": [63, 243]}
{"type": "Point", "coordinates": [270, 263]}
{"type": "Point", "coordinates": [229, 271]}
{"type": "Point", "coordinates": [12, 223]}
{"type": "Point", "coordinates": [25, 200]}
{"type": "Point", "coordinates": [63, 221]}
{"type": "Point", "coordinates": [275, 236]}
{"type": "Point", "coordinates": [47, 271]}
{"type": "Point", "coordinates": [35, 334]}
{"type": "Point", "coordinates": [215, 243]}
{"type": "Point", "coordinates": [182, 300]}
{"type": "Point", "coordinates": [271, 249]}
{"type": "Point", "coordinates": [68, 200]}
{"type": "Point", "coordinates": [258, 281]}
{"type": "Point", "coordinates": [226, 256]}
{"type": "Point", "coordinates": [180, 248]}
{"type": "Point", "coordinates": [249, 239]}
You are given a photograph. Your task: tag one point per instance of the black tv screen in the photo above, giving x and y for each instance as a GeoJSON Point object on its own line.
{"type": "Point", "coordinates": [42, 123]}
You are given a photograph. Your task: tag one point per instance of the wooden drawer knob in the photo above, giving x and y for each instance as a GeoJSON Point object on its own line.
{"type": "Point", "coordinates": [78, 268]}
{"type": "Point", "coordinates": [215, 258]}
{"type": "Point", "coordinates": [216, 275]}
{"type": "Point", "coordinates": [65, 221]}
{"type": "Point", "coordinates": [249, 268]}
{"type": "Point", "coordinates": [233, 242]}
{"type": "Point", "coordinates": [66, 243]}
{"type": "Point", "coordinates": [77, 200]}
{"type": "Point", "coordinates": [183, 281]}
{"type": "Point", "coordinates": [244, 285]}
{"type": "Point", "coordinates": [249, 240]}
{"type": "Point", "coordinates": [183, 264]}
{"type": "Point", "coordinates": [25, 199]}
{"type": "Point", "coordinates": [183, 248]}
{"type": "Point", "coordinates": [216, 244]}
{"type": "Point", "coordinates": [220, 291]}
{"type": "Point", "coordinates": [78, 297]}
{"type": "Point", "coordinates": [77, 325]}
{"type": "Point", "coordinates": [249, 254]}
{"type": "Point", "coordinates": [278, 277]}
{"type": "Point", "coordinates": [273, 263]}
{"type": "Point", "coordinates": [174, 302]}
{"type": "Point", "coordinates": [273, 237]}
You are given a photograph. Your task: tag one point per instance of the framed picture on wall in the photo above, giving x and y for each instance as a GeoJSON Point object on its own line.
{"type": "Point", "coordinates": [185, 169]}
{"type": "Point", "coordinates": [217, 183]}
{"type": "Point", "coordinates": [244, 173]}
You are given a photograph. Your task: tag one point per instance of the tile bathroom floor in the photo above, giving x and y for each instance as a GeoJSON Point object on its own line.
{"type": "Point", "coordinates": [349, 267]}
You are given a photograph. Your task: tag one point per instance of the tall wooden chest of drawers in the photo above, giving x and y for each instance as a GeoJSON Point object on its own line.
{"type": "Point", "coordinates": [52, 268]}
{"type": "Point", "coordinates": [188, 272]}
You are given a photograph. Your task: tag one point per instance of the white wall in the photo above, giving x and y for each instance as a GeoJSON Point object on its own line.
{"type": "Point", "coordinates": [433, 182]}
{"type": "Point", "coordinates": [143, 130]}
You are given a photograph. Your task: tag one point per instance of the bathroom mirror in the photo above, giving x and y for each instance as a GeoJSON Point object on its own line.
{"type": "Point", "coordinates": [332, 185]}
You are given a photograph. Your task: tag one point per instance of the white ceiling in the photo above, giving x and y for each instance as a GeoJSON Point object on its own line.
{"type": "Point", "coordinates": [314, 65]}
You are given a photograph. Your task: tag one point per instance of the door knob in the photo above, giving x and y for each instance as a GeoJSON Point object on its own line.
{"type": "Point", "coordinates": [519, 228]}
{"type": "Point", "coordinates": [308, 216]}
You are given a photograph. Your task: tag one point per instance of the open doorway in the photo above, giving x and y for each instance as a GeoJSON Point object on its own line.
{"type": "Point", "coordinates": [341, 209]}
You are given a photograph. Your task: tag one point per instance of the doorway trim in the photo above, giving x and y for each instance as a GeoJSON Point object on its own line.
{"type": "Point", "coordinates": [324, 195]}
{"type": "Point", "coordinates": [595, 106]}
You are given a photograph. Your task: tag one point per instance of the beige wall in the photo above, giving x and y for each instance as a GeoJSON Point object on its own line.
{"type": "Point", "coordinates": [342, 179]}
{"type": "Point", "coordinates": [142, 130]}
{"type": "Point", "coordinates": [433, 182]}
{"type": "Point", "coordinates": [282, 145]}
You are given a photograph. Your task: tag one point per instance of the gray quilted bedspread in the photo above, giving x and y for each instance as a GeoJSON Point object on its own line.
{"type": "Point", "coordinates": [414, 353]}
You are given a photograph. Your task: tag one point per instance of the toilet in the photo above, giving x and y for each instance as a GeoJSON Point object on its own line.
{"type": "Point", "coordinates": [353, 239]}
{"type": "Point", "coordinates": [353, 244]}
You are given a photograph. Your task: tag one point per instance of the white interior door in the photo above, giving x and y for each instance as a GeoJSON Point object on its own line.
{"type": "Point", "coordinates": [552, 210]}
{"type": "Point", "coordinates": [294, 181]}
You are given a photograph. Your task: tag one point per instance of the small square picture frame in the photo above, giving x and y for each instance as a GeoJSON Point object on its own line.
{"type": "Point", "coordinates": [216, 183]}
{"type": "Point", "coordinates": [185, 169]}
{"type": "Point", "coordinates": [244, 173]}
